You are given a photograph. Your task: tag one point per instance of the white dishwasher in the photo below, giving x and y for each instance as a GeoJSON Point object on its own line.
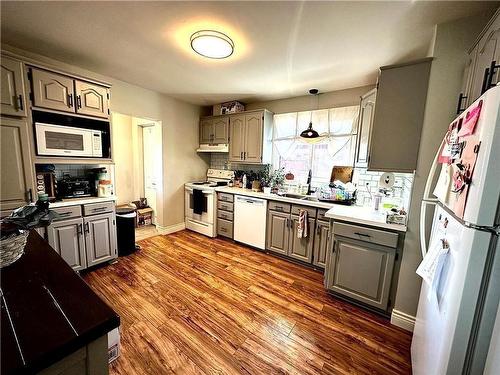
{"type": "Point", "coordinates": [250, 221]}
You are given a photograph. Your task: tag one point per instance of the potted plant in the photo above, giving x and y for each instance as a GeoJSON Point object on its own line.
{"type": "Point", "coordinates": [15, 228]}
{"type": "Point", "coordinates": [277, 178]}
{"type": "Point", "coordinates": [265, 179]}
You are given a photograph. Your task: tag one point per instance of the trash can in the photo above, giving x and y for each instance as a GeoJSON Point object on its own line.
{"type": "Point", "coordinates": [125, 230]}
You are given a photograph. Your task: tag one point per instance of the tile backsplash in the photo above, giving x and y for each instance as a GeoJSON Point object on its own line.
{"type": "Point", "coordinates": [366, 181]}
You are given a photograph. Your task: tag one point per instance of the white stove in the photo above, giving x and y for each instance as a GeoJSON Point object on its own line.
{"type": "Point", "coordinates": [200, 201]}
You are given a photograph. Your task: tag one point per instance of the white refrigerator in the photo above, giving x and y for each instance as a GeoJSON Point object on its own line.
{"type": "Point", "coordinates": [457, 311]}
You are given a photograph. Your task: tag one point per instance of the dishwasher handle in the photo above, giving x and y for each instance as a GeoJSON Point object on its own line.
{"type": "Point", "coordinates": [248, 200]}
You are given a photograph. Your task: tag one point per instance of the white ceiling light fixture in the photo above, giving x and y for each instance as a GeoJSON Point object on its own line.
{"type": "Point", "coordinates": [212, 44]}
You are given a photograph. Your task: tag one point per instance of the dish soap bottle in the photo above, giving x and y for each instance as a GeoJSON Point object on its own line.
{"type": "Point", "coordinates": [244, 181]}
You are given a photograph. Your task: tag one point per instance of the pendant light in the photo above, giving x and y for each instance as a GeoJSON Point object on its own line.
{"type": "Point", "coordinates": [310, 135]}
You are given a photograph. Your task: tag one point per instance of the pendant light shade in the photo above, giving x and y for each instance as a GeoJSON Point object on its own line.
{"type": "Point", "coordinates": [309, 132]}
{"type": "Point", "coordinates": [311, 135]}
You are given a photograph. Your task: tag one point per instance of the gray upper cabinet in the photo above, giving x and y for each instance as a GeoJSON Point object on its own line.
{"type": "Point", "coordinates": [278, 232]}
{"type": "Point", "coordinates": [100, 238]}
{"type": "Point", "coordinates": [399, 112]}
{"type": "Point", "coordinates": [53, 91]}
{"type": "Point", "coordinates": [12, 88]}
{"type": "Point", "coordinates": [17, 173]}
{"type": "Point", "coordinates": [250, 137]}
{"type": "Point", "coordinates": [206, 130]}
{"type": "Point", "coordinates": [484, 54]}
{"type": "Point", "coordinates": [214, 130]}
{"type": "Point", "coordinates": [361, 271]}
{"type": "Point", "coordinates": [321, 243]}
{"type": "Point", "coordinates": [302, 248]}
{"type": "Point", "coordinates": [236, 138]}
{"type": "Point", "coordinates": [66, 237]}
{"type": "Point", "coordinates": [91, 99]}
{"type": "Point", "coordinates": [365, 121]}
{"type": "Point", "coordinates": [220, 130]}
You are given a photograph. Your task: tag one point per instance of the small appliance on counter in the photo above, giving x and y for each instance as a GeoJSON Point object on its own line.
{"type": "Point", "coordinates": [71, 187]}
{"type": "Point", "coordinates": [46, 180]}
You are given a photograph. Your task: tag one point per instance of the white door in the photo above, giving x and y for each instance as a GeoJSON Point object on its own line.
{"type": "Point", "coordinates": [445, 314]}
{"type": "Point", "coordinates": [152, 165]}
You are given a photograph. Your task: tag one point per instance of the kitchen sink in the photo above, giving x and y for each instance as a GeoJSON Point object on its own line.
{"type": "Point", "coordinates": [310, 198]}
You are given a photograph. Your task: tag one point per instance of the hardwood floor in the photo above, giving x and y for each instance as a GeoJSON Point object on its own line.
{"type": "Point", "coordinates": [194, 305]}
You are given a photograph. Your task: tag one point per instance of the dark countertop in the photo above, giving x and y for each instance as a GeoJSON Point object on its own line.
{"type": "Point", "coordinates": [47, 310]}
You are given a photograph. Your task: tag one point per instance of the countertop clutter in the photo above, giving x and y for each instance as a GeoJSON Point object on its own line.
{"type": "Point", "coordinates": [354, 214]}
{"type": "Point", "coordinates": [63, 314]}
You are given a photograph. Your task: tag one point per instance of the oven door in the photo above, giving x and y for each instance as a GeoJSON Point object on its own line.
{"type": "Point", "coordinates": [207, 216]}
{"type": "Point", "coordinates": [55, 140]}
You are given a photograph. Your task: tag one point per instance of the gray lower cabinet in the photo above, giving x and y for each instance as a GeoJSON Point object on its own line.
{"type": "Point", "coordinates": [278, 232]}
{"type": "Point", "coordinates": [360, 264]}
{"type": "Point", "coordinates": [66, 237]}
{"type": "Point", "coordinates": [301, 248]}
{"type": "Point", "coordinates": [321, 243]}
{"type": "Point", "coordinates": [100, 238]}
{"type": "Point", "coordinates": [225, 215]}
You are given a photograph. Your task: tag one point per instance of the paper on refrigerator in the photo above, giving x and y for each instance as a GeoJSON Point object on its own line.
{"type": "Point", "coordinates": [432, 264]}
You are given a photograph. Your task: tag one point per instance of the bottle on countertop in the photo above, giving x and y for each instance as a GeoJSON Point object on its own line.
{"type": "Point", "coordinates": [244, 181]}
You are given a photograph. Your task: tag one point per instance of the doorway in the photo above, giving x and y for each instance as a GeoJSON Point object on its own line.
{"type": "Point", "coordinates": [151, 146]}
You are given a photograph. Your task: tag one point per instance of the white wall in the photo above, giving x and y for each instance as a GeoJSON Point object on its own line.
{"type": "Point", "coordinates": [180, 120]}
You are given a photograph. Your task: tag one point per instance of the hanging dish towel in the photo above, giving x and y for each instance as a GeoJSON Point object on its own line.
{"type": "Point", "coordinates": [302, 227]}
{"type": "Point", "coordinates": [198, 201]}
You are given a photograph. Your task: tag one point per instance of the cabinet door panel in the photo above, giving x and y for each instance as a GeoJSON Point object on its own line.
{"type": "Point", "coordinates": [253, 138]}
{"type": "Point", "coordinates": [278, 232]}
{"type": "Point", "coordinates": [100, 238]}
{"type": "Point", "coordinates": [221, 130]}
{"type": "Point", "coordinates": [236, 137]}
{"type": "Point", "coordinates": [15, 162]}
{"type": "Point", "coordinates": [53, 91]}
{"type": "Point", "coordinates": [91, 100]}
{"type": "Point", "coordinates": [206, 130]}
{"type": "Point", "coordinates": [301, 248]}
{"type": "Point", "coordinates": [66, 238]}
{"type": "Point", "coordinates": [321, 243]}
{"type": "Point", "coordinates": [362, 271]}
{"type": "Point", "coordinates": [13, 99]}
{"type": "Point", "coordinates": [366, 111]}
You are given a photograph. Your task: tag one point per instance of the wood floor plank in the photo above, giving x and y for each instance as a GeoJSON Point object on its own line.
{"type": "Point", "coordinates": [194, 305]}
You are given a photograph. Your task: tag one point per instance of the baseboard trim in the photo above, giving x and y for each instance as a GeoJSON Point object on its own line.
{"type": "Point", "coordinates": [171, 228]}
{"type": "Point", "coordinates": [403, 320]}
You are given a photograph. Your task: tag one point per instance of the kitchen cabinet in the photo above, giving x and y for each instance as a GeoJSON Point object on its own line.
{"type": "Point", "coordinates": [68, 94]}
{"type": "Point", "coordinates": [66, 237]}
{"type": "Point", "coordinates": [250, 137]}
{"type": "Point", "coordinates": [482, 70]}
{"type": "Point", "coordinates": [52, 90]}
{"type": "Point", "coordinates": [91, 99]}
{"type": "Point", "coordinates": [225, 214]}
{"type": "Point", "coordinates": [236, 138]}
{"type": "Point", "coordinates": [360, 264]}
{"type": "Point", "coordinates": [321, 243]}
{"type": "Point", "coordinates": [100, 238]}
{"type": "Point", "coordinates": [278, 232]}
{"type": "Point", "coordinates": [282, 227]}
{"type": "Point", "coordinates": [302, 248]}
{"type": "Point", "coordinates": [214, 130]}
{"type": "Point", "coordinates": [12, 88]}
{"type": "Point", "coordinates": [16, 184]}
{"type": "Point", "coordinates": [365, 121]}
{"type": "Point", "coordinates": [394, 138]}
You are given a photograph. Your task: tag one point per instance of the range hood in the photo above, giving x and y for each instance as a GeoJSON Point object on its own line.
{"type": "Point", "coordinates": [205, 147]}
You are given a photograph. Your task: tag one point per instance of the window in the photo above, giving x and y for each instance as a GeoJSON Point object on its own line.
{"type": "Point", "coordinates": [337, 126]}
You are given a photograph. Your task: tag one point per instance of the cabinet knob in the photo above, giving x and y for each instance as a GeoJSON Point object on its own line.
{"type": "Point", "coordinates": [79, 101]}
{"type": "Point", "coordinates": [70, 100]}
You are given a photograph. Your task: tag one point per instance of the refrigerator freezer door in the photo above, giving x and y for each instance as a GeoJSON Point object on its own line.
{"type": "Point", "coordinates": [445, 314]}
{"type": "Point", "coordinates": [481, 197]}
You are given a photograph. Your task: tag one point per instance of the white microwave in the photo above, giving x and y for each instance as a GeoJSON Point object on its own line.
{"type": "Point", "coordinates": [57, 140]}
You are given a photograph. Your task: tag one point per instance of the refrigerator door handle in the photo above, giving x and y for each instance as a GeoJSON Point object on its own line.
{"type": "Point", "coordinates": [423, 226]}
{"type": "Point", "coordinates": [432, 172]}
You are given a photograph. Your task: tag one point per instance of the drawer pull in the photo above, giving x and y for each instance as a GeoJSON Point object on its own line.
{"type": "Point", "coordinates": [65, 213]}
{"type": "Point", "coordinates": [362, 234]}
{"type": "Point", "coordinates": [98, 209]}
{"type": "Point", "coordinates": [223, 229]}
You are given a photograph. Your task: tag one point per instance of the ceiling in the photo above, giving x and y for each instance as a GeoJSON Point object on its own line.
{"type": "Point", "coordinates": [281, 48]}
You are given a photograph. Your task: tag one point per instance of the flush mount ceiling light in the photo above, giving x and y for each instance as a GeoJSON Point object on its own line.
{"type": "Point", "coordinates": [212, 44]}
